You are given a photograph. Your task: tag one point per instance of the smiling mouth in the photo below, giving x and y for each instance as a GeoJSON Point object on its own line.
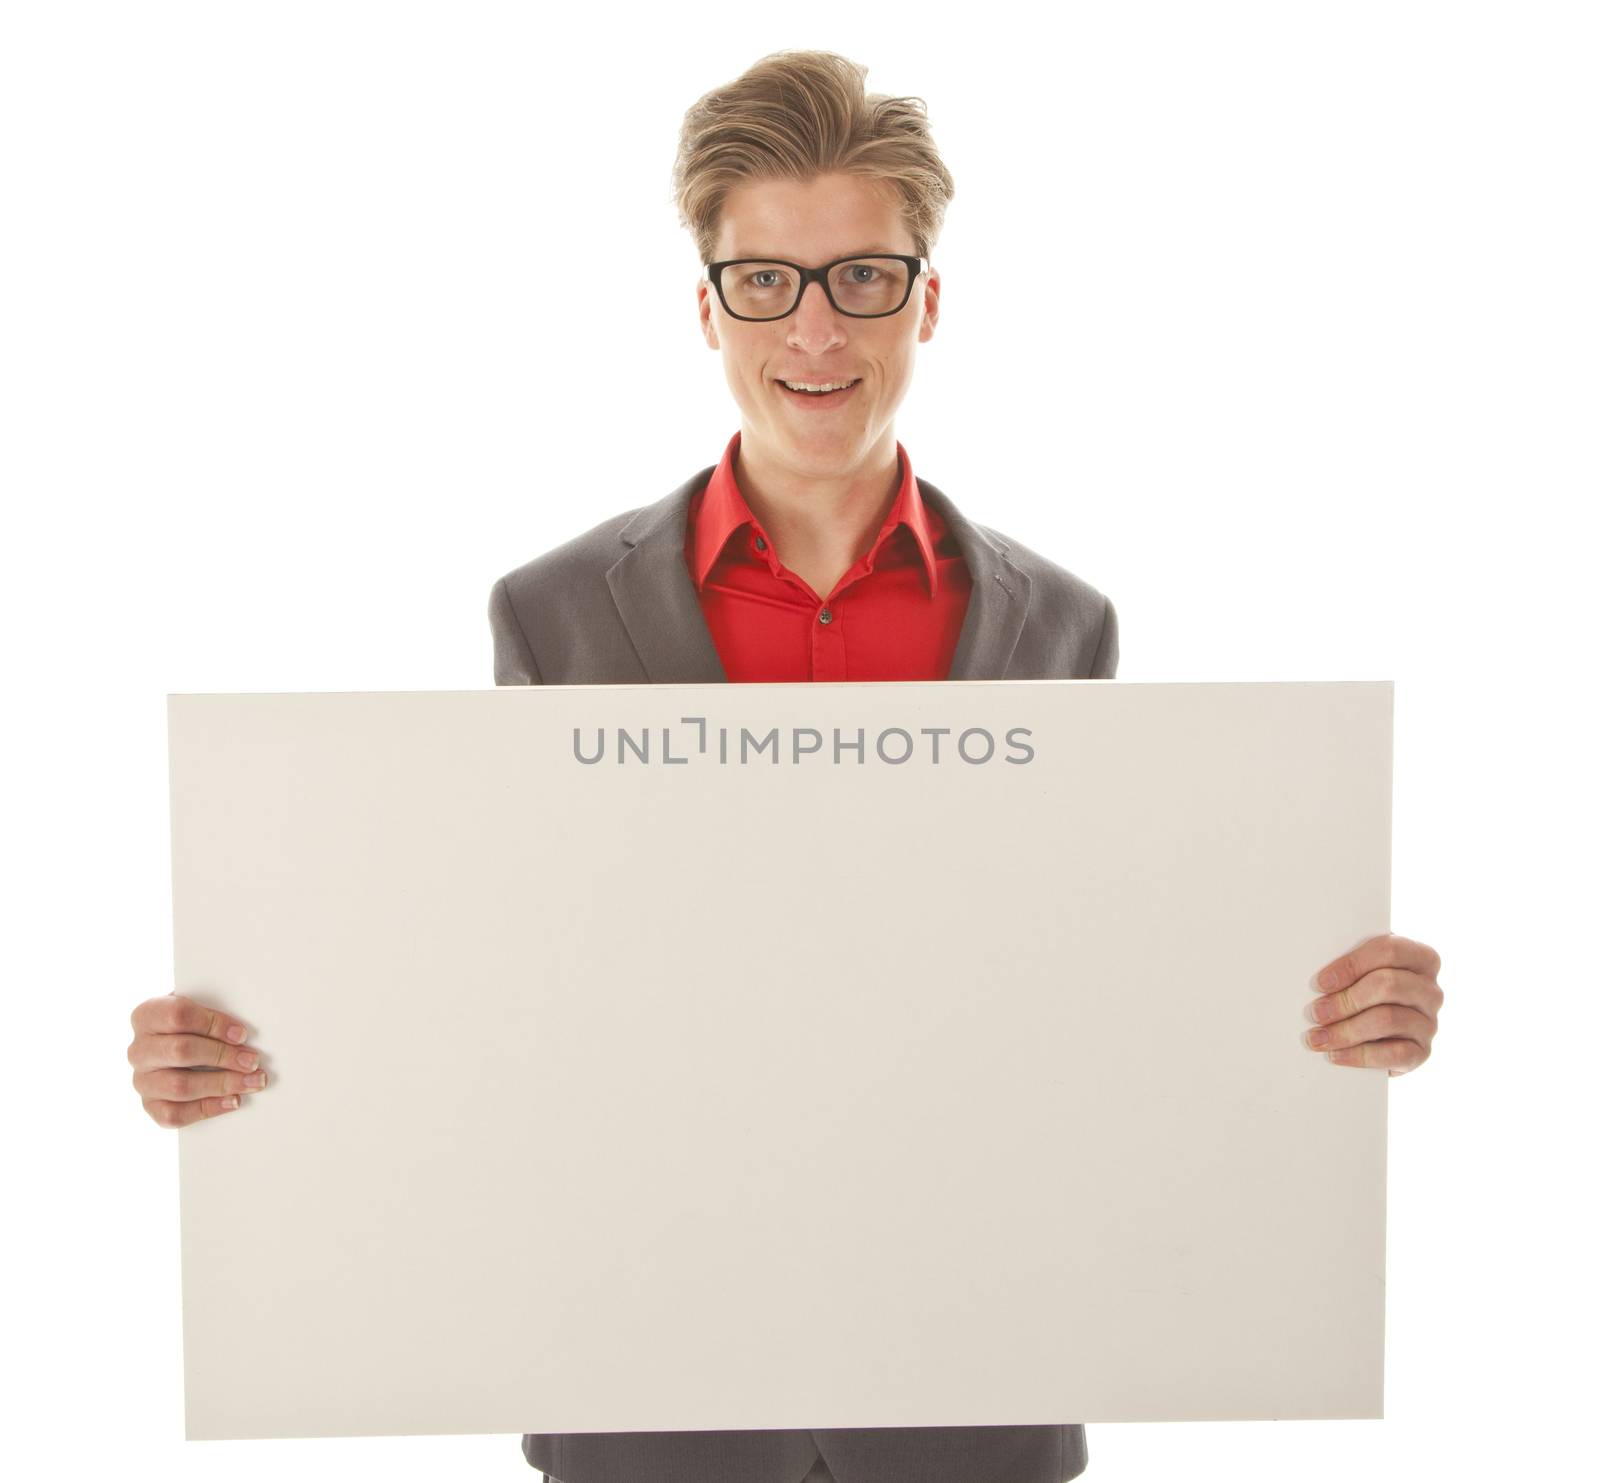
{"type": "Point", "coordinates": [817, 396]}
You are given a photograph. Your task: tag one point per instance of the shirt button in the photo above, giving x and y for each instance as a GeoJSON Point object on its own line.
{"type": "Point", "coordinates": [761, 545]}
{"type": "Point", "coordinates": [825, 616]}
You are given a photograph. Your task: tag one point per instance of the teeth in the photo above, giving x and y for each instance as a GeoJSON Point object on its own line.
{"type": "Point", "coordinates": [821, 386]}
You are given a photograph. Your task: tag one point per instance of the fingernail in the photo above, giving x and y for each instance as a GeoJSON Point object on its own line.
{"type": "Point", "coordinates": [229, 1103]}
{"type": "Point", "coordinates": [1328, 978]}
{"type": "Point", "coordinates": [256, 1079]}
{"type": "Point", "coordinates": [247, 1059]}
{"type": "Point", "coordinates": [235, 1033]}
{"type": "Point", "coordinates": [1316, 1039]}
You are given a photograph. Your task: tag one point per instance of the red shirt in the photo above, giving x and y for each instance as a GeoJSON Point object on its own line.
{"type": "Point", "coordinates": [895, 615]}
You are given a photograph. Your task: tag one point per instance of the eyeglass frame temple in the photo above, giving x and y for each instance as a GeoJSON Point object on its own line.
{"type": "Point", "coordinates": [808, 276]}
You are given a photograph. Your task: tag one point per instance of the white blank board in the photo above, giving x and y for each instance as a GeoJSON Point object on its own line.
{"type": "Point", "coordinates": [805, 1088]}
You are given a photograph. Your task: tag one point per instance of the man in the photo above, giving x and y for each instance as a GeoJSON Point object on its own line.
{"type": "Point", "coordinates": [810, 551]}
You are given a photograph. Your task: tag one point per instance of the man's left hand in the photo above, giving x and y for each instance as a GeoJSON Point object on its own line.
{"type": "Point", "coordinates": [1379, 1005]}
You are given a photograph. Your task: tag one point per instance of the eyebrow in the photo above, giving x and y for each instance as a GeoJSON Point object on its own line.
{"type": "Point", "coordinates": [772, 257]}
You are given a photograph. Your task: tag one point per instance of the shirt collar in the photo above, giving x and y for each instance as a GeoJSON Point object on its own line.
{"type": "Point", "coordinates": [723, 510]}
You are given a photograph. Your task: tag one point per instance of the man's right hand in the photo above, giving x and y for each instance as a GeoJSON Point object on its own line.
{"type": "Point", "coordinates": [190, 1061]}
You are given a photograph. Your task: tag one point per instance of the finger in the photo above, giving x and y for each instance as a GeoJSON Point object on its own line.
{"type": "Point", "coordinates": [176, 1084]}
{"type": "Point", "coordinates": [172, 1014]}
{"type": "Point", "coordinates": [1398, 1055]}
{"type": "Point", "coordinates": [181, 1114]}
{"type": "Point", "coordinates": [1385, 951]}
{"type": "Point", "coordinates": [1373, 1024]}
{"type": "Point", "coordinates": [149, 1051]}
{"type": "Point", "coordinates": [1381, 986]}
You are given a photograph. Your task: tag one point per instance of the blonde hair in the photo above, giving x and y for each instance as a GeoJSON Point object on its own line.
{"type": "Point", "coordinates": [795, 115]}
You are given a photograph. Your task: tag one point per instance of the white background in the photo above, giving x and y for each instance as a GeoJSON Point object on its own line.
{"type": "Point", "coordinates": [299, 354]}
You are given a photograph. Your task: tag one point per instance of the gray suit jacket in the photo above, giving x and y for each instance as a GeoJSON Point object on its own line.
{"type": "Point", "coordinates": [617, 606]}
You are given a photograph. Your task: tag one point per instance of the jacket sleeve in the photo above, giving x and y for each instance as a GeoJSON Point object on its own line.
{"type": "Point", "coordinates": [514, 663]}
{"type": "Point", "coordinates": [1105, 655]}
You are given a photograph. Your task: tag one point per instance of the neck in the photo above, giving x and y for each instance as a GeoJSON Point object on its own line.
{"type": "Point", "coordinates": [820, 525]}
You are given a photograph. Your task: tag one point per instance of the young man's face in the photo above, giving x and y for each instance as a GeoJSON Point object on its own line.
{"type": "Point", "coordinates": [830, 217]}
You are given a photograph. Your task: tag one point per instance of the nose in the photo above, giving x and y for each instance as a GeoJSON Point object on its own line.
{"type": "Point", "coordinates": [815, 324]}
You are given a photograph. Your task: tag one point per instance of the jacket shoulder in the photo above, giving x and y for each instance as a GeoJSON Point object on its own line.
{"type": "Point", "coordinates": [582, 558]}
{"type": "Point", "coordinates": [553, 618]}
{"type": "Point", "coordinates": [1051, 581]}
{"type": "Point", "coordinates": [1072, 627]}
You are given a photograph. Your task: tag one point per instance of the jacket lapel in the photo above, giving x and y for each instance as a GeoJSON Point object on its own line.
{"type": "Point", "coordinates": [655, 596]}
{"type": "Point", "coordinates": [999, 601]}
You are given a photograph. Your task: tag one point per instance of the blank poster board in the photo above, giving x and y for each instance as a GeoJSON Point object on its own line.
{"type": "Point", "coordinates": [702, 1057]}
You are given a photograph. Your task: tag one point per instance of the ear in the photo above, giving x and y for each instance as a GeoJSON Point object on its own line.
{"type": "Point", "coordinates": [930, 307]}
{"type": "Point", "coordinates": [708, 326]}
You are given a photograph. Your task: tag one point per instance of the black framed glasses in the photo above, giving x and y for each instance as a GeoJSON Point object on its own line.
{"type": "Point", "coordinates": [868, 287]}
